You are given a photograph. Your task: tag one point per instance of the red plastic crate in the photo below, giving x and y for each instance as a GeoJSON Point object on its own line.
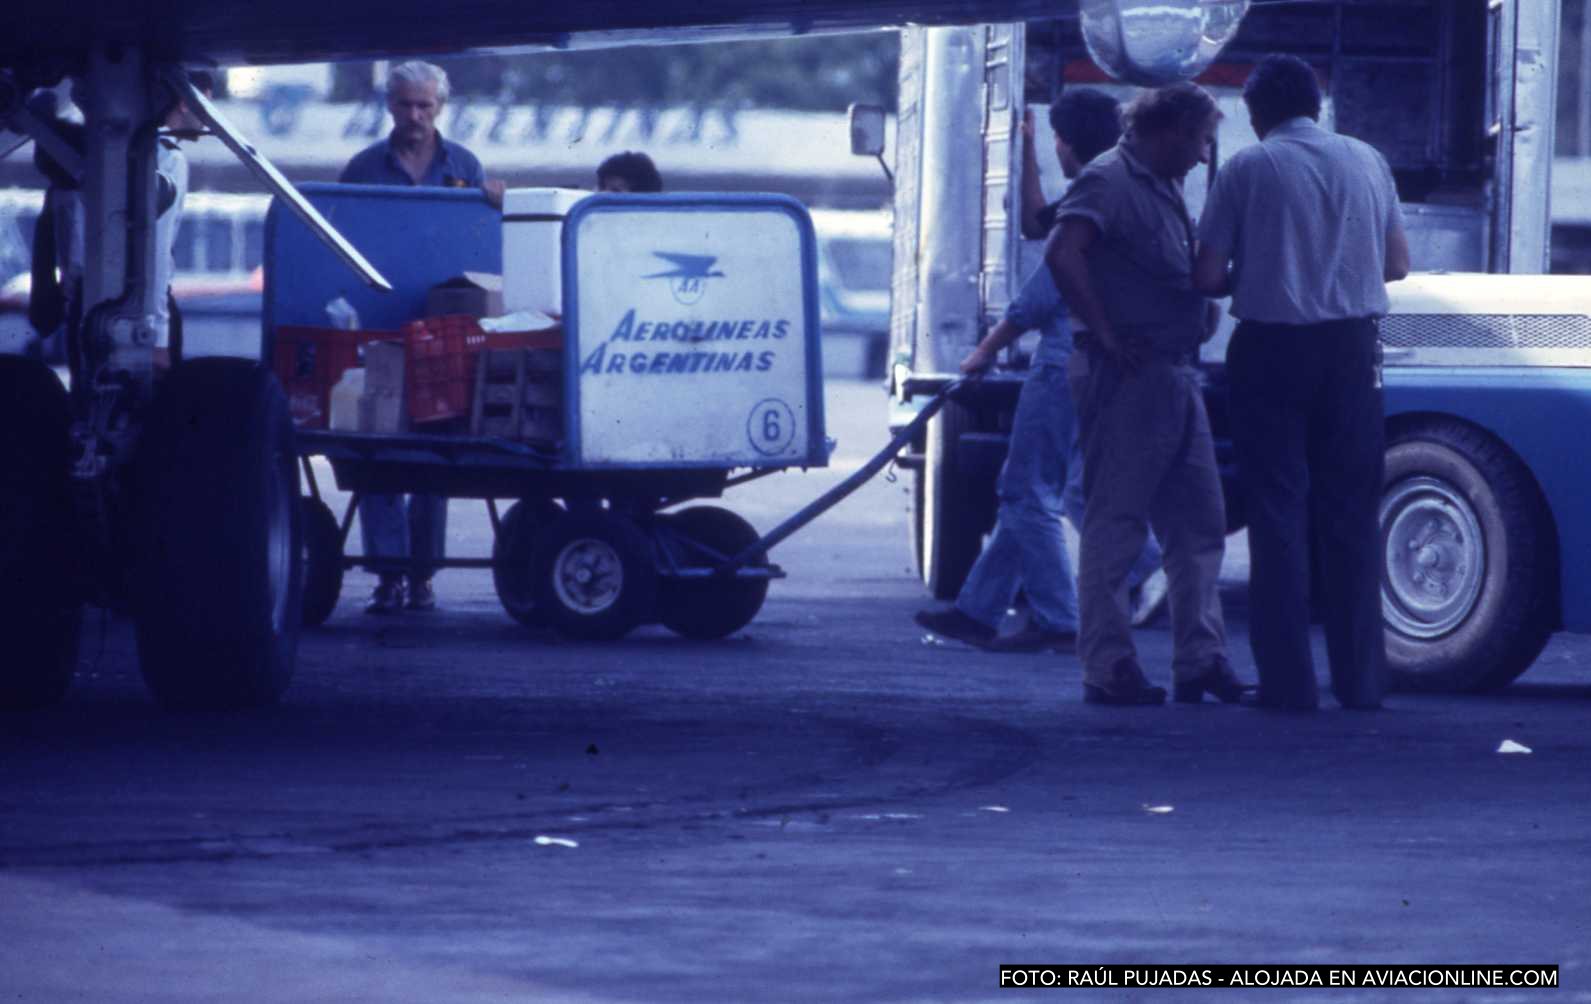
{"type": "Point", "coordinates": [439, 366]}
{"type": "Point", "coordinates": [309, 362]}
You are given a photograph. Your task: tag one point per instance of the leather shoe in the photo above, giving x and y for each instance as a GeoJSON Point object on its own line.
{"type": "Point", "coordinates": [1034, 639]}
{"type": "Point", "coordinates": [1217, 680]}
{"type": "Point", "coordinates": [954, 624]}
{"type": "Point", "coordinates": [1125, 684]}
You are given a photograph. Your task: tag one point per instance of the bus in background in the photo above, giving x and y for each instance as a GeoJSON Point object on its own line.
{"type": "Point", "coordinates": [217, 281]}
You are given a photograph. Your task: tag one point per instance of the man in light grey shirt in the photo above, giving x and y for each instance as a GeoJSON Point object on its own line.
{"type": "Point", "coordinates": [1304, 230]}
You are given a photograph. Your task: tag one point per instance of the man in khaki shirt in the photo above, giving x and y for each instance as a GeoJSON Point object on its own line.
{"type": "Point", "coordinates": [1122, 257]}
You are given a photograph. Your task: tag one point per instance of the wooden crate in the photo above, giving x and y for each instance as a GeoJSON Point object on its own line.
{"type": "Point", "coordinates": [519, 395]}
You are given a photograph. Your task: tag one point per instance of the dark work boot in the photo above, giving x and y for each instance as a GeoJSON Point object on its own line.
{"type": "Point", "coordinates": [1124, 685]}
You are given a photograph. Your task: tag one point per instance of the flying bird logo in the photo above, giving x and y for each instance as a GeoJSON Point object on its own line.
{"type": "Point", "coordinates": [687, 280]}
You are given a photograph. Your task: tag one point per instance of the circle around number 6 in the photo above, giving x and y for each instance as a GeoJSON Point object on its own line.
{"type": "Point", "coordinates": [771, 427]}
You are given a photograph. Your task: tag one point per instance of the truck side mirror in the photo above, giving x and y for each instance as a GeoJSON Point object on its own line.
{"type": "Point", "coordinates": [867, 135]}
{"type": "Point", "coordinates": [867, 130]}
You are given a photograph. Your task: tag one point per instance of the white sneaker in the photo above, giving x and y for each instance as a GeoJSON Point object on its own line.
{"type": "Point", "coordinates": [1149, 599]}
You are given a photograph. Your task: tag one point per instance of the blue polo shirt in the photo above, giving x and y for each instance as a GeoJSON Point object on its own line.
{"type": "Point", "coordinates": [452, 167]}
{"type": "Point", "coordinates": [1039, 305]}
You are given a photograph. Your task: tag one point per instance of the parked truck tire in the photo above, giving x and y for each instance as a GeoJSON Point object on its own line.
{"type": "Point", "coordinates": [43, 611]}
{"type": "Point", "coordinates": [1469, 575]}
{"type": "Point", "coordinates": [710, 608]}
{"type": "Point", "coordinates": [594, 575]}
{"type": "Point", "coordinates": [947, 516]}
{"type": "Point", "coordinates": [217, 566]}
{"type": "Point", "coordinates": [323, 561]}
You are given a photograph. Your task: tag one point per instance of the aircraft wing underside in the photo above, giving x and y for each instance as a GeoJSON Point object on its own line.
{"type": "Point", "coordinates": [46, 33]}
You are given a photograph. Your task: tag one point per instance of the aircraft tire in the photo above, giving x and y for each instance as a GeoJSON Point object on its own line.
{"type": "Point", "coordinates": [217, 564]}
{"type": "Point", "coordinates": [40, 606]}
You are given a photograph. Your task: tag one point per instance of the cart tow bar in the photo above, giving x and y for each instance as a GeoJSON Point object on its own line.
{"type": "Point", "coordinates": [832, 497]}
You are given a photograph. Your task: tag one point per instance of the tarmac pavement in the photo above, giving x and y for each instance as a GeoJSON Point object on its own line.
{"type": "Point", "coordinates": [829, 805]}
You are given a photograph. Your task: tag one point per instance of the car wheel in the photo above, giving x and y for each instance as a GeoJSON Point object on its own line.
{"type": "Point", "coordinates": [1469, 570]}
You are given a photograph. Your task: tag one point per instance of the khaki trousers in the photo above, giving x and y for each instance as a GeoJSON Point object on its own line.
{"type": "Point", "coordinates": [1148, 458]}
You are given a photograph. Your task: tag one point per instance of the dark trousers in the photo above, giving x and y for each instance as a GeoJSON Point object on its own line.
{"type": "Point", "coordinates": [1308, 432]}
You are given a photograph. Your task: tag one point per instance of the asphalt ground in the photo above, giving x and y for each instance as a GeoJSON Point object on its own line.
{"type": "Point", "coordinates": [829, 805]}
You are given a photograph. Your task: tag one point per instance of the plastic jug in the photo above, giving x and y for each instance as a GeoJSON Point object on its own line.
{"type": "Point", "coordinates": [345, 400]}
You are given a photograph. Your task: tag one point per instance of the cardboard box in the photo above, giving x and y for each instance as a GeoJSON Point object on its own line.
{"type": "Point", "coordinates": [478, 294]}
{"type": "Point", "coordinates": [382, 413]}
{"type": "Point", "coordinates": [382, 406]}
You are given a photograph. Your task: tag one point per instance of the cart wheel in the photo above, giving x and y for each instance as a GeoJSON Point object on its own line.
{"type": "Point", "coordinates": [323, 560]}
{"type": "Point", "coordinates": [710, 608]}
{"type": "Point", "coordinates": [40, 617]}
{"type": "Point", "coordinates": [217, 566]}
{"type": "Point", "coordinates": [512, 554]}
{"type": "Point", "coordinates": [594, 575]}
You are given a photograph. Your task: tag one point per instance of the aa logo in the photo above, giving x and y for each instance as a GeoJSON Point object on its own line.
{"type": "Point", "coordinates": [687, 280]}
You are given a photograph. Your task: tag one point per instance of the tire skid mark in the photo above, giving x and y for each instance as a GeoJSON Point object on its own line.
{"type": "Point", "coordinates": [998, 750]}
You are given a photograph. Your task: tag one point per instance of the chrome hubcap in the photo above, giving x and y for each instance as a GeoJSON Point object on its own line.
{"type": "Point", "coordinates": [1434, 558]}
{"type": "Point", "coordinates": [588, 576]}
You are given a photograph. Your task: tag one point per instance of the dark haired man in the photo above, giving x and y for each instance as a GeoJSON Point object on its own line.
{"type": "Point", "coordinates": [1304, 230]}
{"type": "Point", "coordinates": [1027, 550]}
{"type": "Point", "coordinates": [630, 171]}
{"type": "Point", "coordinates": [1123, 258]}
{"type": "Point", "coordinates": [1086, 123]}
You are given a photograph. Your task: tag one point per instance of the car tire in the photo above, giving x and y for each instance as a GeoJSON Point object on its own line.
{"type": "Point", "coordinates": [705, 609]}
{"type": "Point", "coordinates": [42, 609]}
{"type": "Point", "coordinates": [217, 565]}
{"type": "Point", "coordinates": [1469, 560]}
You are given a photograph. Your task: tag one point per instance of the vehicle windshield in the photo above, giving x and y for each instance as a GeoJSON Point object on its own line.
{"type": "Point", "coordinates": [861, 264]}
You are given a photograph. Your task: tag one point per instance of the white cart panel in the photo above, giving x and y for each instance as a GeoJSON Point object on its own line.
{"type": "Point", "coordinates": [692, 340]}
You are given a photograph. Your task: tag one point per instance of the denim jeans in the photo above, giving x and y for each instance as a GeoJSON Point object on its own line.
{"type": "Point", "coordinates": [391, 532]}
{"type": "Point", "coordinates": [1028, 548]}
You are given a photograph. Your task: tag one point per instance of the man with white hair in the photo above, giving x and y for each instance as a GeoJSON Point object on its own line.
{"type": "Point", "coordinates": [415, 153]}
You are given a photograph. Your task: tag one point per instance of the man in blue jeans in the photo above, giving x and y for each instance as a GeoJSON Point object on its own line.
{"type": "Point", "coordinates": [413, 154]}
{"type": "Point", "coordinates": [1041, 477]}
